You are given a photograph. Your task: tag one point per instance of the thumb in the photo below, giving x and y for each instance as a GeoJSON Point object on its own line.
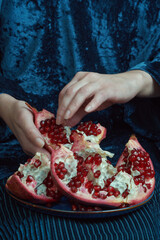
{"type": "Point", "coordinates": [30, 130]}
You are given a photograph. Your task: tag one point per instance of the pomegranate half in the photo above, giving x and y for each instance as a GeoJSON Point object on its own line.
{"type": "Point", "coordinates": [84, 174]}
{"type": "Point", "coordinates": [33, 181]}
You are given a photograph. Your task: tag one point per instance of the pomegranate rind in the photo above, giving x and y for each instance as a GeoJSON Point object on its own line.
{"type": "Point", "coordinates": [40, 115]}
{"type": "Point", "coordinates": [133, 143]}
{"type": "Point", "coordinates": [15, 186]}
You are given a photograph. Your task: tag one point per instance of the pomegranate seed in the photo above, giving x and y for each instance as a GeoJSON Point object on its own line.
{"type": "Point", "coordinates": [110, 189]}
{"type": "Point", "coordinates": [29, 179]}
{"type": "Point", "coordinates": [116, 193]}
{"type": "Point", "coordinates": [89, 160]}
{"type": "Point", "coordinates": [29, 160]}
{"type": "Point", "coordinates": [136, 180]}
{"type": "Point", "coordinates": [61, 165]}
{"type": "Point", "coordinates": [64, 170]}
{"type": "Point", "coordinates": [74, 189]}
{"type": "Point", "coordinates": [37, 163]}
{"type": "Point", "coordinates": [110, 194]}
{"type": "Point", "coordinates": [120, 168]}
{"type": "Point", "coordinates": [42, 123]}
{"type": "Point", "coordinates": [132, 158]}
{"type": "Point", "coordinates": [97, 159]}
{"type": "Point", "coordinates": [49, 183]}
{"type": "Point", "coordinates": [90, 189]}
{"type": "Point", "coordinates": [97, 188]}
{"type": "Point", "coordinates": [88, 184]}
{"type": "Point", "coordinates": [103, 196]}
{"type": "Point", "coordinates": [125, 193]}
{"type": "Point", "coordinates": [20, 175]}
{"type": "Point", "coordinates": [61, 176]}
{"type": "Point", "coordinates": [97, 174]}
{"type": "Point", "coordinates": [50, 193]}
{"type": "Point", "coordinates": [78, 184]}
{"type": "Point", "coordinates": [81, 179]}
{"type": "Point", "coordinates": [148, 185]}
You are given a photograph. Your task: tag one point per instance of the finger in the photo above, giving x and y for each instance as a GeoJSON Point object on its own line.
{"type": "Point", "coordinates": [68, 98]}
{"type": "Point", "coordinates": [82, 95]}
{"type": "Point", "coordinates": [29, 130]}
{"type": "Point", "coordinates": [27, 146]}
{"type": "Point", "coordinates": [100, 101]}
{"type": "Point", "coordinates": [78, 76]}
{"type": "Point", "coordinates": [76, 118]}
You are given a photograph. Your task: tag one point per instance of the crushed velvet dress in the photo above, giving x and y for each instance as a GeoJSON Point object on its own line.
{"type": "Point", "coordinates": [43, 44]}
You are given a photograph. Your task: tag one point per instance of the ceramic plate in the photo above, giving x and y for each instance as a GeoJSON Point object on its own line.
{"type": "Point", "coordinates": [63, 209]}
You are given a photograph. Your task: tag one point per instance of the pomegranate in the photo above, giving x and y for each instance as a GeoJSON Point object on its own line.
{"type": "Point", "coordinates": [46, 124]}
{"type": "Point", "coordinates": [84, 173]}
{"type": "Point", "coordinates": [33, 181]}
{"type": "Point", "coordinates": [81, 170]}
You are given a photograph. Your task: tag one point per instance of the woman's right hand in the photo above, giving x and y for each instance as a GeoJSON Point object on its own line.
{"type": "Point", "coordinates": [19, 119]}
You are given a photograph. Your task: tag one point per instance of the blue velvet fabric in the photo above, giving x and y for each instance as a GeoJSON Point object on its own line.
{"type": "Point", "coordinates": [42, 45]}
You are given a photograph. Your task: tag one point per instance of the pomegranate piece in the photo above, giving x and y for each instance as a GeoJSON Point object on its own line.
{"type": "Point", "coordinates": [46, 123]}
{"type": "Point", "coordinates": [91, 131]}
{"type": "Point", "coordinates": [91, 179]}
{"type": "Point", "coordinates": [33, 181]}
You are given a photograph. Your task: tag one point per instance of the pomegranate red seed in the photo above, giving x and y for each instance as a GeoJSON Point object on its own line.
{"type": "Point", "coordinates": [103, 196]}
{"type": "Point", "coordinates": [110, 189]}
{"type": "Point", "coordinates": [61, 176]}
{"type": "Point", "coordinates": [89, 160]}
{"type": "Point", "coordinates": [29, 179]}
{"type": "Point", "coordinates": [97, 174]}
{"type": "Point", "coordinates": [148, 185]}
{"type": "Point", "coordinates": [74, 189]}
{"type": "Point", "coordinates": [97, 159]}
{"type": "Point", "coordinates": [125, 193]}
{"type": "Point", "coordinates": [50, 193]}
{"type": "Point", "coordinates": [97, 188]}
{"type": "Point", "coordinates": [90, 189]}
{"type": "Point", "coordinates": [20, 175]}
{"type": "Point", "coordinates": [88, 184]}
{"type": "Point", "coordinates": [64, 170]}
{"type": "Point", "coordinates": [37, 163]}
{"type": "Point", "coordinates": [42, 123]}
{"type": "Point", "coordinates": [116, 193]}
{"type": "Point", "coordinates": [29, 160]}
{"type": "Point", "coordinates": [61, 165]}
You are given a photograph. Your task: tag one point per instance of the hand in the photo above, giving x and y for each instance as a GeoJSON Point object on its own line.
{"type": "Point", "coordinates": [19, 119]}
{"type": "Point", "coordinates": [88, 92]}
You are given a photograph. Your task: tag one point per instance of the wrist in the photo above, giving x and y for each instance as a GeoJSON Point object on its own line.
{"type": "Point", "coordinates": [146, 84]}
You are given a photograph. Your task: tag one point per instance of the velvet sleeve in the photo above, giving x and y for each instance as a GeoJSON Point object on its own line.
{"type": "Point", "coordinates": [143, 114]}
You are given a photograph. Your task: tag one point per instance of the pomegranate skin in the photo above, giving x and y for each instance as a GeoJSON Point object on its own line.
{"type": "Point", "coordinates": [15, 186]}
{"type": "Point", "coordinates": [33, 182]}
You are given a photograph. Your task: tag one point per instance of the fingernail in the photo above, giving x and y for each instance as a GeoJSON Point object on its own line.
{"type": "Point", "coordinates": [67, 114]}
{"type": "Point", "coordinates": [88, 108]}
{"type": "Point", "coordinates": [40, 142]}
